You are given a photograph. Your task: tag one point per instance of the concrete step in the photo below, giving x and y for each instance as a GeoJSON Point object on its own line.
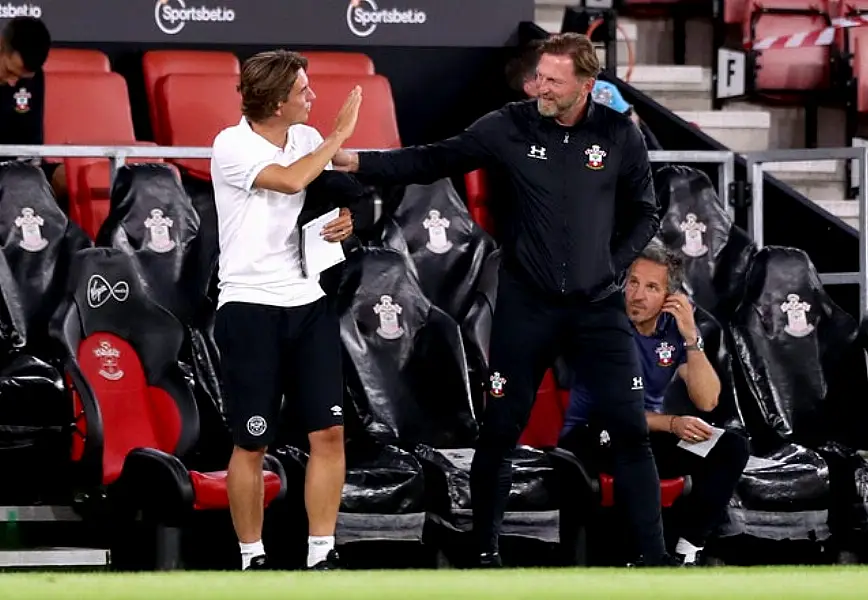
{"type": "Point", "coordinates": [37, 558]}
{"type": "Point", "coordinates": [740, 132]}
{"type": "Point", "coordinates": [846, 210]}
{"type": "Point", "coordinates": [818, 180]}
{"type": "Point", "coordinates": [675, 87]}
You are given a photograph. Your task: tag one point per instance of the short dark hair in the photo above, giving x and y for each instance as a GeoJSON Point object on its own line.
{"type": "Point", "coordinates": [659, 254]}
{"type": "Point", "coordinates": [578, 47]}
{"type": "Point", "coordinates": [523, 67]}
{"type": "Point", "coordinates": [266, 80]}
{"type": "Point", "coordinates": [28, 37]}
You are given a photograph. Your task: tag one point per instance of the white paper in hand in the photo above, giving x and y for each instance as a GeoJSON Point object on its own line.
{"type": "Point", "coordinates": [703, 448]}
{"type": "Point", "coordinates": [317, 254]}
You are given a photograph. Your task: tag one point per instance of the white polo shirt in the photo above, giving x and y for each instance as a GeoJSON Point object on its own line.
{"type": "Point", "coordinates": [259, 238]}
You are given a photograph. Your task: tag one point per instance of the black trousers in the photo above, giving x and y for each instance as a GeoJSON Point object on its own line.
{"type": "Point", "coordinates": [528, 333]}
{"type": "Point", "coordinates": [714, 477]}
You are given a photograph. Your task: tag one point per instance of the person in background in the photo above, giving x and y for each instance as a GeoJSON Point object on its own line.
{"type": "Point", "coordinates": [669, 346]}
{"type": "Point", "coordinates": [24, 46]}
{"type": "Point", "coordinates": [608, 94]}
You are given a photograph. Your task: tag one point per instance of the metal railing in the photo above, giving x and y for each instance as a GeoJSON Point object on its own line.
{"type": "Point", "coordinates": [724, 159]}
{"type": "Point", "coordinates": [118, 155]}
{"type": "Point", "coordinates": [756, 162]}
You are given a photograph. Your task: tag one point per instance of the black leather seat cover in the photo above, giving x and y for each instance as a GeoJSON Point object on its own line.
{"type": "Point", "coordinates": [476, 327]}
{"type": "Point", "coordinates": [153, 219]}
{"type": "Point", "coordinates": [696, 226]}
{"type": "Point", "coordinates": [448, 248]}
{"type": "Point", "coordinates": [788, 336]}
{"type": "Point", "coordinates": [37, 241]}
{"type": "Point", "coordinates": [407, 370]}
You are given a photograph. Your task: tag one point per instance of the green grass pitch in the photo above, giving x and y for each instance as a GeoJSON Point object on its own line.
{"type": "Point", "coordinates": [779, 583]}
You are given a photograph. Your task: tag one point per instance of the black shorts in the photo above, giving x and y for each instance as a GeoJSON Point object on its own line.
{"type": "Point", "coordinates": [268, 352]}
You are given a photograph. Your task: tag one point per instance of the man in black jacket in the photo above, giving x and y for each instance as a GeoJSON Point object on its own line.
{"type": "Point", "coordinates": [582, 209]}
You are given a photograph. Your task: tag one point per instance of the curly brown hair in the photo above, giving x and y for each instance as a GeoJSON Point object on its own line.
{"type": "Point", "coordinates": [266, 80]}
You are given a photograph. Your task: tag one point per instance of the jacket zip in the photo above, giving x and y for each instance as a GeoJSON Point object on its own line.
{"type": "Point", "coordinates": [564, 214]}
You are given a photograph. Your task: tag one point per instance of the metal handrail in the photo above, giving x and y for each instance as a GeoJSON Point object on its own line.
{"type": "Point", "coordinates": [755, 175]}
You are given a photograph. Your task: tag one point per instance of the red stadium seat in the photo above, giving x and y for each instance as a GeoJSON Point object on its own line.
{"type": "Point", "coordinates": [547, 416]}
{"type": "Point", "coordinates": [849, 8]}
{"type": "Point", "coordinates": [476, 186]}
{"type": "Point", "coordinates": [157, 64]}
{"type": "Point", "coordinates": [88, 109]}
{"type": "Point", "coordinates": [859, 40]}
{"type": "Point", "coordinates": [136, 419]}
{"type": "Point", "coordinates": [789, 69]}
{"type": "Point", "coordinates": [76, 60]}
{"type": "Point", "coordinates": [193, 109]}
{"type": "Point", "coordinates": [377, 127]}
{"type": "Point", "coordinates": [338, 63]}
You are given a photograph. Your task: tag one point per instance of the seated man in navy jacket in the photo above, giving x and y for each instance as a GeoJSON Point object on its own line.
{"type": "Point", "coordinates": [669, 345]}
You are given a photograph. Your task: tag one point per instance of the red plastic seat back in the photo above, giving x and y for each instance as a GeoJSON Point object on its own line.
{"type": "Point", "coordinates": [547, 416]}
{"type": "Point", "coordinates": [87, 108]}
{"type": "Point", "coordinates": [157, 64]}
{"type": "Point", "coordinates": [194, 109]}
{"type": "Point", "coordinates": [125, 349]}
{"type": "Point", "coordinates": [377, 127]}
{"type": "Point", "coordinates": [859, 40]}
{"type": "Point", "coordinates": [789, 68]}
{"type": "Point", "coordinates": [338, 63]}
{"type": "Point", "coordinates": [476, 185]}
{"type": "Point", "coordinates": [76, 60]}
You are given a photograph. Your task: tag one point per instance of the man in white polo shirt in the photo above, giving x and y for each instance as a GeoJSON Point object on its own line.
{"type": "Point", "coordinates": [274, 328]}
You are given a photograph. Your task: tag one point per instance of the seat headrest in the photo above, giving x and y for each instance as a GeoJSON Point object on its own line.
{"type": "Point", "coordinates": [110, 297]}
{"type": "Point", "coordinates": [694, 222]}
{"type": "Point", "coordinates": [382, 279]}
{"type": "Point", "coordinates": [30, 217]}
{"type": "Point", "coordinates": [434, 219]}
{"type": "Point", "coordinates": [785, 291]}
{"type": "Point", "coordinates": [150, 209]}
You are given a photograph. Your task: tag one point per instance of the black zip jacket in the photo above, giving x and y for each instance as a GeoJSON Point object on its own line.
{"type": "Point", "coordinates": [581, 202]}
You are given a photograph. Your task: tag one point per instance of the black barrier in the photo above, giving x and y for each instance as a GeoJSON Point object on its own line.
{"type": "Point", "coordinates": [434, 23]}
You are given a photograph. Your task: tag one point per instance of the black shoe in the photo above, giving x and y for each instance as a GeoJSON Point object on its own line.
{"type": "Point", "coordinates": [332, 562]}
{"type": "Point", "coordinates": [667, 560]}
{"type": "Point", "coordinates": [258, 563]}
{"type": "Point", "coordinates": [490, 560]}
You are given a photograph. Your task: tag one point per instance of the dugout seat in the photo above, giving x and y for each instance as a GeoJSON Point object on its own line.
{"type": "Point", "coordinates": [377, 127]}
{"type": "Point", "coordinates": [89, 108]}
{"type": "Point", "coordinates": [75, 60]}
{"type": "Point", "coordinates": [447, 248]}
{"type": "Point", "coordinates": [158, 64]}
{"type": "Point", "coordinates": [801, 365]}
{"type": "Point", "coordinates": [193, 109]}
{"type": "Point", "coordinates": [338, 63]}
{"type": "Point", "coordinates": [407, 378]}
{"type": "Point", "coordinates": [153, 220]}
{"type": "Point", "coordinates": [37, 241]}
{"type": "Point", "coordinates": [476, 327]}
{"type": "Point", "coordinates": [135, 415]}
{"type": "Point", "coordinates": [695, 226]}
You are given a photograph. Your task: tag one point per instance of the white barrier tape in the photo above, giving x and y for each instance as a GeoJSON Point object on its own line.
{"type": "Point", "coordinates": [807, 39]}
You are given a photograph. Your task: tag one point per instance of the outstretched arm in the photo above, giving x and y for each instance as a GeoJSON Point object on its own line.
{"type": "Point", "coordinates": [427, 163]}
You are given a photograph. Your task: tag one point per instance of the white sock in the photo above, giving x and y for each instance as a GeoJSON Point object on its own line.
{"type": "Point", "coordinates": [318, 547]}
{"type": "Point", "coordinates": [248, 551]}
{"type": "Point", "coordinates": [687, 550]}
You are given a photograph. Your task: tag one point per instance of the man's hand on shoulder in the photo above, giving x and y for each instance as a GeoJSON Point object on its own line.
{"type": "Point", "coordinates": [690, 429]}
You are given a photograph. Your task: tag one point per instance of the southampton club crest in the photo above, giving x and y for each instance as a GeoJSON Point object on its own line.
{"type": "Point", "coordinates": [497, 383]}
{"type": "Point", "coordinates": [595, 156]}
{"type": "Point", "coordinates": [665, 354]}
{"type": "Point", "coordinates": [797, 316]}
